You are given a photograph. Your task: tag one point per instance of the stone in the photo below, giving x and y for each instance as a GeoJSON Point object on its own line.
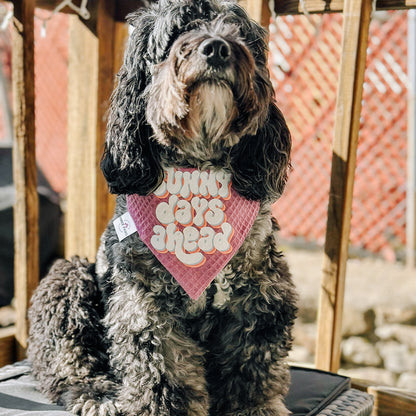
{"type": "Point", "coordinates": [7, 316]}
{"type": "Point", "coordinates": [407, 381]}
{"type": "Point", "coordinates": [397, 357]}
{"type": "Point", "coordinates": [386, 314]}
{"type": "Point", "coordinates": [357, 322]}
{"type": "Point", "coordinates": [379, 376]}
{"type": "Point", "coordinates": [404, 334]}
{"type": "Point", "coordinates": [300, 354]}
{"type": "Point", "coordinates": [359, 351]}
{"type": "Point", "coordinates": [305, 335]}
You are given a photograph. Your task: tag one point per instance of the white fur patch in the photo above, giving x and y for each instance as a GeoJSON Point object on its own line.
{"type": "Point", "coordinates": [211, 108]}
{"type": "Point", "coordinates": [222, 282]}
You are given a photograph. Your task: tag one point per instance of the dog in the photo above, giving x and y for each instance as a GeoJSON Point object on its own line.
{"type": "Point", "coordinates": [190, 315]}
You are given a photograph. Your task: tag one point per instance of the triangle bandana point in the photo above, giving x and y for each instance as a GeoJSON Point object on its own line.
{"type": "Point", "coordinates": [193, 223]}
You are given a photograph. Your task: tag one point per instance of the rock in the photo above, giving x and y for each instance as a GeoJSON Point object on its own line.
{"type": "Point", "coordinates": [405, 334]}
{"type": "Point", "coordinates": [305, 335]}
{"type": "Point", "coordinates": [307, 312]}
{"type": "Point", "coordinates": [395, 315]}
{"type": "Point", "coordinates": [359, 351]}
{"type": "Point", "coordinates": [379, 376]}
{"type": "Point", "coordinates": [300, 354]}
{"type": "Point", "coordinates": [7, 316]}
{"type": "Point", "coordinates": [356, 322]}
{"type": "Point", "coordinates": [407, 381]}
{"type": "Point", "coordinates": [397, 357]}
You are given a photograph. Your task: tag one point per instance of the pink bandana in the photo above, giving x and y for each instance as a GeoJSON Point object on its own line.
{"type": "Point", "coordinates": [193, 223]}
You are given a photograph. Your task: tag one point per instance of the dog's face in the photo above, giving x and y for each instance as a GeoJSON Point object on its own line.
{"type": "Point", "coordinates": [209, 90]}
{"type": "Point", "coordinates": [195, 88]}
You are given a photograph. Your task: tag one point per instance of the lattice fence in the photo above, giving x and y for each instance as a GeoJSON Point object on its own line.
{"type": "Point", "coordinates": [304, 58]}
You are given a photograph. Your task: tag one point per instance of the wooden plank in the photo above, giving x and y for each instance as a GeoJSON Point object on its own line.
{"type": "Point", "coordinates": [91, 80]}
{"type": "Point", "coordinates": [26, 260]}
{"type": "Point", "coordinates": [106, 29]}
{"type": "Point", "coordinates": [355, 36]}
{"type": "Point", "coordinates": [80, 219]}
{"type": "Point", "coordinates": [411, 143]}
{"type": "Point", "coordinates": [7, 345]}
{"type": "Point", "coordinates": [258, 10]}
{"type": "Point", "coordinates": [393, 402]}
{"type": "Point", "coordinates": [283, 7]}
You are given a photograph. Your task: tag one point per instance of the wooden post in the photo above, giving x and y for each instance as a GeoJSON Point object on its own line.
{"type": "Point", "coordinates": [80, 219]}
{"type": "Point", "coordinates": [411, 143]}
{"type": "Point", "coordinates": [283, 7]}
{"type": "Point", "coordinates": [355, 36]}
{"type": "Point", "coordinates": [91, 80]}
{"type": "Point", "coordinates": [258, 10]}
{"type": "Point", "coordinates": [26, 237]}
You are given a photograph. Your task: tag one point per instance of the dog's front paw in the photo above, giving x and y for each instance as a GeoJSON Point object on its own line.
{"type": "Point", "coordinates": [85, 406]}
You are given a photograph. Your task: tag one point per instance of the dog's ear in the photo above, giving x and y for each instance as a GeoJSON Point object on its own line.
{"type": "Point", "coordinates": [130, 162]}
{"type": "Point", "coordinates": [260, 163]}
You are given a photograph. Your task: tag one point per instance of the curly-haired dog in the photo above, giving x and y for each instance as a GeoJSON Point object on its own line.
{"type": "Point", "coordinates": [193, 129]}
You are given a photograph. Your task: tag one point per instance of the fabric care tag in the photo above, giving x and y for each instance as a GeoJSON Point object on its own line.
{"type": "Point", "coordinates": [124, 226]}
{"type": "Point", "coordinates": [193, 223]}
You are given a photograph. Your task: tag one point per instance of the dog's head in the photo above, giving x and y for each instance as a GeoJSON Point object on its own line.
{"type": "Point", "coordinates": [195, 90]}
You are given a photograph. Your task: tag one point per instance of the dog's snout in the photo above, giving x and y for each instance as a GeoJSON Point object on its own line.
{"type": "Point", "coordinates": [216, 51]}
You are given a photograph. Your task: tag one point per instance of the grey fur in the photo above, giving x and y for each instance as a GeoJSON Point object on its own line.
{"type": "Point", "coordinates": [121, 337]}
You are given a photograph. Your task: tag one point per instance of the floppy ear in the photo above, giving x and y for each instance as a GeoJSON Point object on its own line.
{"type": "Point", "coordinates": [130, 162]}
{"type": "Point", "coordinates": [260, 163]}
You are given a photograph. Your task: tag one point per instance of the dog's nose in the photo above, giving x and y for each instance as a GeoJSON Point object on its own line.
{"type": "Point", "coordinates": [216, 51]}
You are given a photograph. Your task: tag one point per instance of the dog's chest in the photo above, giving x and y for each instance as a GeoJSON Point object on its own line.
{"type": "Point", "coordinates": [216, 296]}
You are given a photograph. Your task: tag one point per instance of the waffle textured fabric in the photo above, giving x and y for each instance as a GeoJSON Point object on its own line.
{"type": "Point", "coordinates": [193, 223]}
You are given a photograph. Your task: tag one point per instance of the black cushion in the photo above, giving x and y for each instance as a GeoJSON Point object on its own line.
{"type": "Point", "coordinates": [310, 392]}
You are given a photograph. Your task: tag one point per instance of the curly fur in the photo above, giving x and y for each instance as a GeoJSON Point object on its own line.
{"type": "Point", "coordinates": [121, 337]}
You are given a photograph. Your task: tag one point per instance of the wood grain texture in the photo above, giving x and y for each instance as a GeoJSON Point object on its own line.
{"type": "Point", "coordinates": [106, 30]}
{"type": "Point", "coordinates": [393, 402]}
{"type": "Point", "coordinates": [24, 166]}
{"type": "Point", "coordinates": [94, 52]}
{"type": "Point", "coordinates": [258, 10]}
{"type": "Point", "coordinates": [347, 118]}
{"type": "Point", "coordinates": [80, 219]}
{"type": "Point", "coordinates": [283, 7]}
{"type": "Point", "coordinates": [7, 345]}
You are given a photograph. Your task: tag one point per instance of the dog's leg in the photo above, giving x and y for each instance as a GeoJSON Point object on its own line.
{"type": "Point", "coordinates": [246, 370]}
{"type": "Point", "coordinates": [245, 374]}
{"type": "Point", "coordinates": [160, 367]}
{"type": "Point", "coordinates": [66, 343]}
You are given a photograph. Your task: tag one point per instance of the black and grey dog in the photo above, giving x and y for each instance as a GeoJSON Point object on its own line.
{"type": "Point", "coordinates": [121, 337]}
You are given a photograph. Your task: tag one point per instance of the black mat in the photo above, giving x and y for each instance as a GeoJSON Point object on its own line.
{"type": "Point", "coordinates": [310, 392]}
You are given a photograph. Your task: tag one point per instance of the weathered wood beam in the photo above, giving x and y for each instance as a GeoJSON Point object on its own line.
{"type": "Point", "coordinates": [26, 237]}
{"type": "Point", "coordinates": [7, 345]}
{"type": "Point", "coordinates": [95, 55]}
{"type": "Point", "coordinates": [80, 233]}
{"type": "Point", "coordinates": [357, 15]}
{"type": "Point", "coordinates": [106, 35]}
{"type": "Point", "coordinates": [258, 10]}
{"type": "Point", "coordinates": [392, 402]}
{"type": "Point", "coordinates": [411, 142]}
{"type": "Point", "coordinates": [283, 7]}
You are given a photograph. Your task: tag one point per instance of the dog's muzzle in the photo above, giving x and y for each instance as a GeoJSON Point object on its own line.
{"type": "Point", "coordinates": [215, 51]}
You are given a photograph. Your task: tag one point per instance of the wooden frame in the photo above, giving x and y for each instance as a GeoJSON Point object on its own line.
{"type": "Point", "coordinates": [90, 43]}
